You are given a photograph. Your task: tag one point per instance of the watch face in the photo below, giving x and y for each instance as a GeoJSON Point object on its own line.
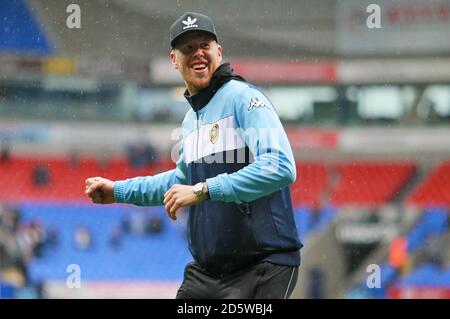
{"type": "Point", "coordinates": [198, 187]}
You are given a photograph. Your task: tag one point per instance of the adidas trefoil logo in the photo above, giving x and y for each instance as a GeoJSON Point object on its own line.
{"type": "Point", "coordinates": [189, 23]}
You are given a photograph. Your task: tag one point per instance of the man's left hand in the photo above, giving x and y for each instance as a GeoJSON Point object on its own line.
{"type": "Point", "coordinates": [179, 196]}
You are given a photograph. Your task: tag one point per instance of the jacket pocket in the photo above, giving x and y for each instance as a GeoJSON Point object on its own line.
{"type": "Point", "coordinates": [283, 218]}
{"type": "Point", "coordinates": [263, 226]}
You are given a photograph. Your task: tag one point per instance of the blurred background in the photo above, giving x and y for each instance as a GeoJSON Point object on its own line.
{"type": "Point", "coordinates": [87, 89]}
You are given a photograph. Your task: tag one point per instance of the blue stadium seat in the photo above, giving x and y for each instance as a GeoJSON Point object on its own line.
{"type": "Point", "coordinates": [388, 275]}
{"type": "Point", "coordinates": [149, 257]}
{"type": "Point", "coordinates": [427, 275]}
{"type": "Point", "coordinates": [326, 216]}
{"type": "Point", "coordinates": [308, 221]}
{"type": "Point", "coordinates": [434, 222]}
{"type": "Point", "coordinates": [303, 220]}
{"type": "Point", "coordinates": [7, 291]}
{"type": "Point", "coordinates": [19, 31]}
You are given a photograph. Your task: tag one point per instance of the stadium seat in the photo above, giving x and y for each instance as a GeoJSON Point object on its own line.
{"type": "Point", "coordinates": [435, 190]}
{"type": "Point", "coordinates": [370, 184]}
{"type": "Point", "coordinates": [66, 182]}
{"type": "Point", "coordinates": [148, 257]}
{"type": "Point", "coordinates": [20, 32]}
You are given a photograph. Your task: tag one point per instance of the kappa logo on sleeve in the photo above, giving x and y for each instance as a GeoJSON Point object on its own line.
{"type": "Point", "coordinates": [255, 103]}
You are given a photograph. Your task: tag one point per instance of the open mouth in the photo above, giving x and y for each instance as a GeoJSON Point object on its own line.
{"type": "Point", "coordinates": [199, 67]}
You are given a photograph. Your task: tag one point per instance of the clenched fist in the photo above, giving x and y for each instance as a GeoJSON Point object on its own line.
{"type": "Point", "coordinates": [100, 190]}
{"type": "Point", "coordinates": [177, 197]}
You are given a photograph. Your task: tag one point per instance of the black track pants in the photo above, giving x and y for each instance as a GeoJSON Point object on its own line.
{"type": "Point", "coordinates": [261, 281]}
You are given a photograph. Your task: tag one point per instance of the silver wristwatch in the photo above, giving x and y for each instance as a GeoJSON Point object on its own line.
{"type": "Point", "coordinates": [201, 191]}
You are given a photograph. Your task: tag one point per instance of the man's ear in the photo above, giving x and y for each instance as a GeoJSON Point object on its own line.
{"type": "Point", "coordinates": [219, 52]}
{"type": "Point", "coordinates": [173, 58]}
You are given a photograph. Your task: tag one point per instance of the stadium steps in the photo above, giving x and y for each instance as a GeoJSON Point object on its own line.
{"type": "Point", "coordinates": [446, 253]}
{"type": "Point", "coordinates": [323, 254]}
{"type": "Point", "coordinates": [419, 175]}
{"type": "Point", "coordinates": [435, 189]}
{"type": "Point", "coordinates": [436, 250]}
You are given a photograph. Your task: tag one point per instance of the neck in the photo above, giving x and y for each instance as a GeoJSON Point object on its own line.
{"type": "Point", "coordinates": [200, 98]}
{"type": "Point", "coordinates": [192, 91]}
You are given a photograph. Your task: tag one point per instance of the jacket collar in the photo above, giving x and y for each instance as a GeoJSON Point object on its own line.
{"type": "Point", "coordinates": [223, 74]}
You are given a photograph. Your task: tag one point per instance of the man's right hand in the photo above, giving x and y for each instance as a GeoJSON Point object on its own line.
{"type": "Point", "coordinates": [100, 190]}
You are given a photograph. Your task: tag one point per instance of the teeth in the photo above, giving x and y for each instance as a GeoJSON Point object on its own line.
{"type": "Point", "coordinates": [199, 66]}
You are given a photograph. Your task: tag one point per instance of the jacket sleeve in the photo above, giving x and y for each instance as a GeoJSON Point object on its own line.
{"type": "Point", "coordinates": [150, 190]}
{"type": "Point", "coordinates": [273, 167]}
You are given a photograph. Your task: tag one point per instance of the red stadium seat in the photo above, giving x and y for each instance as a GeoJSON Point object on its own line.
{"type": "Point", "coordinates": [435, 190]}
{"type": "Point", "coordinates": [370, 184]}
{"type": "Point", "coordinates": [316, 184]}
{"type": "Point", "coordinates": [66, 182]}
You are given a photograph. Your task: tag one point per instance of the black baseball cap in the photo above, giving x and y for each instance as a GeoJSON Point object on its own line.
{"type": "Point", "coordinates": [188, 22]}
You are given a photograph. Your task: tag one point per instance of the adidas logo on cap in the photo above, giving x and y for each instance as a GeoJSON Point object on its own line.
{"type": "Point", "coordinates": [191, 21]}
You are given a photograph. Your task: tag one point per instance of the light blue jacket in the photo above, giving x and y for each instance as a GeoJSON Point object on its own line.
{"type": "Point", "coordinates": [236, 143]}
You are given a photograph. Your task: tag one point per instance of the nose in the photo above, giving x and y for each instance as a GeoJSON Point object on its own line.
{"type": "Point", "coordinates": [198, 51]}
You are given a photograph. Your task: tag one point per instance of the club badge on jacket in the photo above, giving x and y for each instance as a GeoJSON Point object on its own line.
{"type": "Point", "coordinates": [214, 133]}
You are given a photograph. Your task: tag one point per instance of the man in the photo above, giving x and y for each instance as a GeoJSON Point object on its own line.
{"type": "Point", "coordinates": [233, 174]}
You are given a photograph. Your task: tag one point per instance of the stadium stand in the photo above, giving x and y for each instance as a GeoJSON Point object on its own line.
{"type": "Point", "coordinates": [66, 184]}
{"type": "Point", "coordinates": [140, 257]}
{"type": "Point", "coordinates": [111, 67]}
{"type": "Point", "coordinates": [61, 206]}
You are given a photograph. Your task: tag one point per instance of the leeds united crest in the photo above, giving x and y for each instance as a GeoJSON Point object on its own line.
{"type": "Point", "coordinates": [214, 133]}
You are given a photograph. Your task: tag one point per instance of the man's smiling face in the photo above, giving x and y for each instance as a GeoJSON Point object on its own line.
{"type": "Point", "coordinates": [196, 55]}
